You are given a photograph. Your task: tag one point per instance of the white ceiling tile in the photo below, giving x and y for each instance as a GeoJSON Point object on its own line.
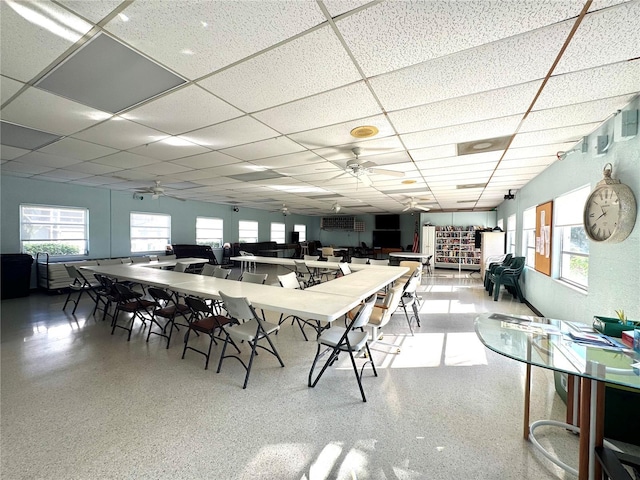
{"type": "Point", "coordinates": [528, 161]}
{"type": "Point", "coordinates": [126, 160]}
{"type": "Point", "coordinates": [368, 147]}
{"type": "Point", "coordinates": [11, 153]}
{"type": "Point", "coordinates": [8, 88]}
{"type": "Point", "coordinates": [94, 10]}
{"type": "Point", "coordinates": [305, 66]}
{"type": "Point", "coordinates": [47, 160]}
{"type": "Point", "coordinates": [68, 174]}
{"type": "Point", "coordinates": [265, 148]}
{"type": "Point", "coordinates": [184, 110]}
{"type": "Point", "coordinates": [206, 160]}
{"type": "Point", "coordinates": [340, 134]}
{"type": "Point", "coordinates": [72, 148]}
{"type": "Point", "coordinates": [497, 127]}
{"type": "Point", "coordinates": [431, 153]}
{"type": "Point", "coordinates": [573, 133]}
{"type": "Point", "coordinates": [192, 175]}
{"type": "Point", "coordinates": [30, 168]}
{"type": "Point", "coordinates": [607, 36]}
{"type": "Point", "coordinates": [169, 149]}
{"type": "Point", "coordinates": [473, 108]}
{"type": "Point", "coordinates": [336, 106]}
{"type": "Point", "coordinates": [231, 133]}
{"type": "Point", "coordinates": [293, 159]}
{"type": "Point", "coordinates": [95, 168]}
{"type": "Point", "coordinates": [136, 176]}
{"type": "Point", "coordinates": [34, 34]}
{"type": "Point", "coordinates": [120, 133]}
{"type": "Point", "coordinates": [445, 163]}
{"type": "Point", "coordinates": [339, 7]}
{"type": "Point", "coordinates": [215, 34]}
{"type": "Point", "coordinates": [162, 168]}
{"type": "Point", "coordinates": [593, 84]}
{"type": "Point", "coordinates": [41, 110]}
{"type": "Point", "coordinates": [596, 111]}
{"type": "Point", "coordinates": [392, 35]}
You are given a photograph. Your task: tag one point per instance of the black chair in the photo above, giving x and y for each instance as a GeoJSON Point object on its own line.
{"type": "Point", "coordinates": [79, 285]}
{"type": "Point", "coordinates": [129, 301]}
{"type": "Point", "coordinates": [167, 307]}
{"type": "Point", "coordinates": [346, 339]}
{"type": "Point", "coordinates": [411, 299]}
{"type": "Point", "coordinates": [204, 320]}
{"type": "Point", "coordinates": [509, 277]}
{"type": "Point", "coordinates": [492, 267]}
{"type": "Point", "coordinates": [614, 463]}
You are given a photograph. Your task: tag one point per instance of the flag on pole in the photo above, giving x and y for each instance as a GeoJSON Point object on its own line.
{"type": "Point", "coordinates": [416, 240]}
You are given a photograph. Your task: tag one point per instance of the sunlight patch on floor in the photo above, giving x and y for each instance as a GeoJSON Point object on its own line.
{"type": "Point", "coordinates": [464, 349]}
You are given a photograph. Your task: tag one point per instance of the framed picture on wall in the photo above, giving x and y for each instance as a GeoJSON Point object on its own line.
{"type": "Point", "coordinates": [543, 237]}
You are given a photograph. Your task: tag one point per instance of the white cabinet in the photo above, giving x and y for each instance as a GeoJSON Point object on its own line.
{"type": "Point", "coordinates": [491, 245]}
{"type": "Point", "coordinates": [455, 248]}
{"type": "Point", "coordinates": [428, 240]}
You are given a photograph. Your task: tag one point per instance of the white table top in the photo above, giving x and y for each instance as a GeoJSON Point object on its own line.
{"type": "Point", "coordinates": [172, 263]}
{"type": "Point", "coordinates": [289, 262]}
{"type": "Point", "coordinates": [155, 277]}
{"type": "Point", "coordinates": [362, 283]}
{"type": "Point", "coordinates": [415, 255]}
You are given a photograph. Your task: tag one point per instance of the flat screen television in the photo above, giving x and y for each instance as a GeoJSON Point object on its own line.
{"type": "Point", "coordinates": [387, 222]}
{"type": "Point", "coordinates": [386, 238]}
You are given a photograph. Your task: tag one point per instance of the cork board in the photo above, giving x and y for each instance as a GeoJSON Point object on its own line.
{"type": "Point", "coordinates": [543, 237]}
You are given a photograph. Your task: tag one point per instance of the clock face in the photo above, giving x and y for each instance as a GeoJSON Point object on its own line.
{"type": "Point", "coordinates": [602, 213]}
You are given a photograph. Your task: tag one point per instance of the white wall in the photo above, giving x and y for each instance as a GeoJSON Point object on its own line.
{"type": "Point", "coordinates": [614, 281]}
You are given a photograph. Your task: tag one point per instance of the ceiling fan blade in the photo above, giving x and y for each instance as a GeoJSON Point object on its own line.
{"type": "Point", "coordinates": [424, 209]}
{"type": "Point", "coordinates": [339, 175]}
{"type": "Point", "coordinates": [366, 181]}
{"type": "Point", "coordinates": [408, 207]}
{"type": "Point", "coordinates": [175, 198]}
{"type": "Point", "coordinates": [381, 171]}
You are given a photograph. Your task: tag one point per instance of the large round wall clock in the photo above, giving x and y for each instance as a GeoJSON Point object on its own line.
{"type": "Point", "coordinates": [610, 210]}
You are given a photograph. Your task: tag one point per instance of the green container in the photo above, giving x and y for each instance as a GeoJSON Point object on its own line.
{"type": "Point", "coordinates": [611, 326]}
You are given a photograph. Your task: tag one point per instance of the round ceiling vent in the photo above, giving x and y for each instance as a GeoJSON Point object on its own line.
{"type": "Point", "coordinates": [364, 131]}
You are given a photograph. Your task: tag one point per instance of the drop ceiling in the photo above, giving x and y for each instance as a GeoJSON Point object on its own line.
{"type": "Point", "coordinates": [252, 103]}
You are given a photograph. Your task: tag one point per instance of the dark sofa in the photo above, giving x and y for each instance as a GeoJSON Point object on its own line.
{"type": "Point", "coordinates": [195, 251]}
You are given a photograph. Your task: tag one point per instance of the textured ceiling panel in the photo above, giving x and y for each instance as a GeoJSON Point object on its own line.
{"type": "Point", "coordinates": [229, 134]}
{"type": "Point", "coordinates": [22, 137]}
{"type": "Point", "coordinates": [8, 88]}
{"type": "Point", "coordinates": [121, 134]}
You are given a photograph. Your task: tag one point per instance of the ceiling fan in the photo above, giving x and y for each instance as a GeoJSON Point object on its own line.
{"type": "Point", "coordinates": [336, 207]}
{"type": "Point", "coordinates": [412, 204]}
{"type": "Point", "coordinates": [361, 169]}
{"type": "Point", "coordinates": [284, 210]}
{"type": "Point", "coordinates": [156, 192]}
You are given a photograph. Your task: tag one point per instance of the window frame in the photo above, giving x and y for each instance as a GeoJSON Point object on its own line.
{"type": "Point", "coordinates": [281, 232]}
{"type": "Point", "coordinates": [302, 231]}
{"type": "Point", "coordinates": [166, 239]}
{"type": "Point", "coordinates": [511, 234]}
{"type": "Point", "coordinates": [571, 220]}
{"type": "Point", "coordinates": [59, 208]}
{"type": "Point", "coordinates": [210, 240]}
{"type": "Point", "coordinates": [529, 236]}
{"type": "Point", "coordinates": [242, 239]}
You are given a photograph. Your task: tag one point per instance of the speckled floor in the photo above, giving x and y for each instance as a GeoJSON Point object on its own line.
{"type": "Point", "coordinates": [79, 403]}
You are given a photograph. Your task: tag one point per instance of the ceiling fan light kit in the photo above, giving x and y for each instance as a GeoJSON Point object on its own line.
{"type": "Point", "coordinates": [156, 191]}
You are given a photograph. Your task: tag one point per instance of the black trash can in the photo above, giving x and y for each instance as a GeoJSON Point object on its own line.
{"type": "Point", "coordinates": [16, 274]}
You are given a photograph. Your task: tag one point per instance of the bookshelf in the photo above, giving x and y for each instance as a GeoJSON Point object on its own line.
{"type": "Point", "coordinates": [455, 248]}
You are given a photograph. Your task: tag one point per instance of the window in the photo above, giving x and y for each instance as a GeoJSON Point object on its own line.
{"type": "Point", "coordinates": [150, 232]}
{"type": "Point", "coordinates": [500, 224]}
{"type": "Point", "coordinates": [209, 231]}
{"type": "Point", "coordinates": [529, 236]}
{"type": "Point", "coordinates": [574, 244]}
{"type": "Point", "coordinates": [277, 233]}
{"type": "Point", "coordinates": [511, 234]}
{"type": "Point", "coordinates": [302, 232]}
{"type": "Point", "coordinates": [247, 231]}
{"type": "Point", "coordinates": [54, 230]}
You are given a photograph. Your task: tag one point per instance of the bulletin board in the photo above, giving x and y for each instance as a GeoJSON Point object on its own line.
{"type": "Point", "coordinates": [543, 238]}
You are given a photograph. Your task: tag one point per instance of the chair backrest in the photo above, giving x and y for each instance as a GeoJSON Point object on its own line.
{"type": "Point", "coordinates": [411, 286]}
{"type": "Point", "coordinates": [507, 259]}
{"type": "Point", "coordinates": [110, 261]}
{"type": "Point", "coordinates": [301, 267]}
{"type": "Point", "coordinates": [373, 261]}
{"type": "Point", "coordinates": [334, 259]}
{"type": "Point", "coordinates": [310, 257]}
{"type": "Point", "coordinates": [162, 258]}
{"type": "Point", "coordinates": [290, 280]}
{"type": "Point", "coordinates": [140, 259]}
{"type": "Point", "coordinates": [207, 270]}
{"type": "Point", "coordinates": [72, 271]}
{"type": "Point", "coordinates": [391, 303]}
{"type": "Point", "coordinates": [238, 308]}
{"type": "Point", "coordinates": [220, 272]}
{"type": "Point", "coordinates": [344, 268]}
{"type": "Point", "coordinates": [126, 261]}
{"type": "Point", "coordinates": [124, 293]}
{"type": "Point", "coordinates": [254, 277]}
{"type": "Point", "coordinates": [105, 281]}
{"type": "Point", "coordinates": [427, 261]}
{"type": "Point", "coordinates": [358, 260]}
{"type": "Point", "coordinates": [364, 314]}
{"type": "Point", "coordinates": [159, 294]}
{"type": "Point", "coordinates": [181, 267]}
{"type": "Point", "coordinates": [327, 251]}
{"type": "Point", "coordinates": [245, 254]}
{"type": "Point", "coordinates": [516, 266]}
{"type": "Point", "coordinates": [196, 305]}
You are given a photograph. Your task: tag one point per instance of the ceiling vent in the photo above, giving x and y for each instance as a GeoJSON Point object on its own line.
{"type": "Point", "coordinates": [481, 146]}
{"type": "Point", "coordinates": [364, 131]}
{"type": "Point", "coordinates": [470, 185]}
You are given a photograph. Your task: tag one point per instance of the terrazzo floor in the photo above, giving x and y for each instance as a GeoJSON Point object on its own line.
{"type": "Point", "coordinates": [79, 403]}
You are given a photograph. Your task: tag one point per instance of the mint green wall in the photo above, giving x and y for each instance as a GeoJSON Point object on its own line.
{"type": "Point", "coordinates": [614, 281]}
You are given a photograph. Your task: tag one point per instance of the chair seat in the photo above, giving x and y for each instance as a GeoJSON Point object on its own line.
{"type": "Point", "coordinates": [171, 310]}
{"type": "Point", "coordinates": [209, 324]}
{"type": "Point", "coordinates": [247, 330]}
{"type": "Point", "coordinates": [332, 336]}
{"type": "Point", "coordinates": [136, 305]}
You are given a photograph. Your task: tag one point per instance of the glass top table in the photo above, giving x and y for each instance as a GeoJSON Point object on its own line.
{"type": "Point", "coordinates": [564, 347]}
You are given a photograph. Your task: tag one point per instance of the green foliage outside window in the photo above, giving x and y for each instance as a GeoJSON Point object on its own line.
{"type": "Point", "coordinates": [50, 248]}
